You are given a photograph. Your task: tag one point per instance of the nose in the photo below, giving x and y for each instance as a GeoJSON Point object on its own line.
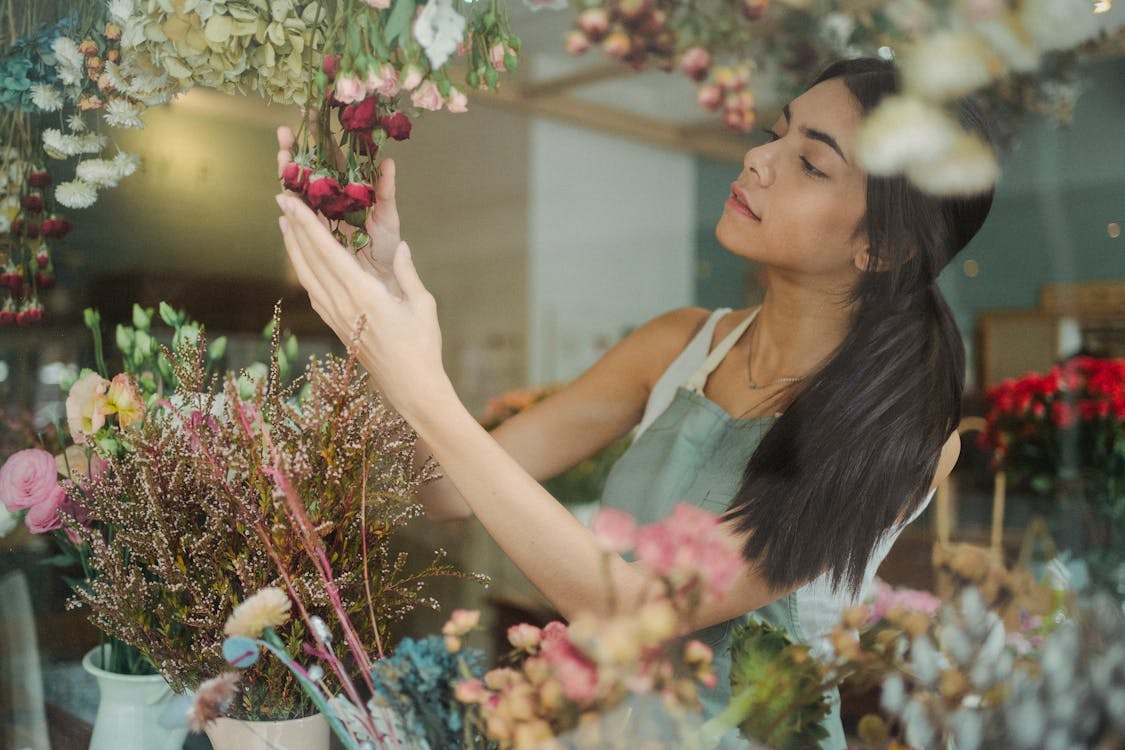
{"type": "Point", "coordinates": [760, 161]}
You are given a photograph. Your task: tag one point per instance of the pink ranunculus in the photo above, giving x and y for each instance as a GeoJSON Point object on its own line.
{"type": "Point", "coordinates": [379, 4]}
{"type": "Point", "coordinates": [577, 674]}
{"type": "Point", "coordinates": [44, 516]}
{"type": "Point", "coordinates": [85, 406]}
{"type": "Point", "coordinates": [457, 102]}
{"type": "Point", "coordinates": [616, 529]}
{"type": "Point", "coordinates": [28, 478]}
{"type": "Point", "coordinates": [427, 96]}
{"type": "Point", "coordinates": [349, 89]}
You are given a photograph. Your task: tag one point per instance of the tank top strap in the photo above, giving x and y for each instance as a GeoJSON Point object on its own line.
{"type": "Point", "coordinates": [699, 378]}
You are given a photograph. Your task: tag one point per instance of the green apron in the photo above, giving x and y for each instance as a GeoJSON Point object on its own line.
{"type": "Point", "coordinates": [695, 452]}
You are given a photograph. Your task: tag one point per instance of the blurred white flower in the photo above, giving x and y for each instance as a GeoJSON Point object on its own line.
{"type": "Point", "coordinates": [968, 168]}
{"type": "Point", "coordinates": [70, 64]}
{"type": "Point", "coordinates": [1007, 37]}
{"type": "Point", "coordinates": [76, 194]}
{"type": "Point", "coordinates": [120, 10]}
{"type": "Point", "coordinates": [948, 65]}
{"type": "Point", "coordinates": [97, 172]}
{"type": "Point", "coordinates": [911, 16]}
{"type": "Point", "coordinates": [1059, 24]}
{"type": "Point", "coordinates": [58, 145]}
{"type": "Point", "coordinates": [8, 520]}
{"type": "Point", "coordinates": [121, 113]}
{"type": "Point", "coordinates": [903, 130]}
{"type": "Point", "coordinates": [439, 29]}
{"type": "Point", "coordinates": [46, 97]}
{"type": "Point", "coordinates": [126, 163]}
{"type": "Point", "coordinates": [75, 122]}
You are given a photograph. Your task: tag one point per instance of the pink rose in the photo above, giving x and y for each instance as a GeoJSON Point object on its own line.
{"type": "Point", "coordinates": [458, 102]}
{"type": "Point", "coordinates": [496, 56]}
{"type": "Point", "coordinates": [577, 674]}
{"type": "Point", "coordinates": [389, 75]}
{"type": "Point", "coordinates": [695, 63]}
{"type": "Point", "coordinates": [709, 96]}
{"type": "Point", "coordinates": [44, 516]}
{"type": "Point", "coordinates": [349, 89]}
{"type": "Point", "coordinates": [427, 96]}
{"type": "Point", "coordinates": [411, 77]}
{"type": "Point", "coordinates": [28, 478]}
{"type": "Point", "coordinates": [86, 406]}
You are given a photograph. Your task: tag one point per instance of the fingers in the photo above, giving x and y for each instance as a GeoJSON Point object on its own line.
{"type": "Point", "coordinates": [406, 274]}
{"type": "Point", "coordinates": [385, 187]}
{"type": "Point", "coordinates": [296, 254]}
{"type": "Point", "coordinates": [285, 141]}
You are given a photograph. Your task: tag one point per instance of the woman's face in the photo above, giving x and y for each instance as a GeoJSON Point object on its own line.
{"type": "Point", "coordinates": [799, 202]}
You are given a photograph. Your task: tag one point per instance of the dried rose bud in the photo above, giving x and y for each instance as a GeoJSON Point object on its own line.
{"type": "Point", "coordinates": [633, 11]}
{"type": "Point", "coordinates": [113, 55]}
{"type": "Point", "coordinates": [576, 42]}
{"type": "Point", "coordinates": [709, 96]}
{"type": "Point", "coordinates": [594, 23]}
{"type": "Point", "coordinates": [755, 10]}
{"type": "Point", "coordinates": [88, 47]}
{"type": "Point", "coordinates": [695, 63]}
{"type": "Point", "coordinates": [112, 32]}
{"type": "Point", "coordinates": [617, 45]}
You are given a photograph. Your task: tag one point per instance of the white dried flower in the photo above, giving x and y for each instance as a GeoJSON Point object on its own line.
{"type": "Point", "coordinates": [76, 123]}
{"type": "Point", "coordinates": [903, 130]}
{"type": "Point", "coordinates": [126, 163]}
{"type": "Point", "coordinates": [5, 227]}
{"type": "Point", "coordinates": [76, 194]}
{"type": "Point", "coordinates": [46, 97]}
{"type": "Point", "coordinates": [121, 10]}
{"type": "Point", "coordinates": [969, 167]}
{"type": "Point", "coordinates": [121, 113]}
{"type": "Point", "coordinates": [1059, 24]}
{"type": "Point", "coordinates": [948, 65]}
{"type": "Point", "coordinates": [268, 608]}
{"type": "Point", "coordinates": [89, 143]}
{"type": "Point", "coordinates": [58, 145]}
{"type": "Point", "coordinates": [316, 673]}
{"type": "Point", "coordinates": [98, 172]}
{"type": "Point", "coordinates": [893, 695]}
{"type": "Point", "coordinates": [70, 64]}
{"type": "Point", "coordinates": [439, 29]}
{"type": "Point", "coordinates": [320, 630]}
{"type": "Point", "coordinates": [924, 662]}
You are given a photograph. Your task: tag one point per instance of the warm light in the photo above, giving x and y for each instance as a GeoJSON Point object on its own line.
{"type": "Point", "coordinates": [971, 268]}
{"type": "Point", "coordinates": [1103, 6]}
{"type": "Point", "coordinates": [1113, 229]}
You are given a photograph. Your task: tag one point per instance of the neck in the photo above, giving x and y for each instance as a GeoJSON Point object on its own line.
{"type": "Point", "coordinates": [797, 328]}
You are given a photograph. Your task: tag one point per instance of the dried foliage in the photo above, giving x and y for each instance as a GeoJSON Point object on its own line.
{"type": "Point", "coordinates": [201, 519]}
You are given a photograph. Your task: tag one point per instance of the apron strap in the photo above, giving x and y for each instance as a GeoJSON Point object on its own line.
{"type": "Point", "coordinates": [699, 378]}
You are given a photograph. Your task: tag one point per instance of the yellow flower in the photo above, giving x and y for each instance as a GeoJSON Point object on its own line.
{"type": "Point", "coordinates": [269, 608]}
{"type": "Point", "coordinates": [124, 400]}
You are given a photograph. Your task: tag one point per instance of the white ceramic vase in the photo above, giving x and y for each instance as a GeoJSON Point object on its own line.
{"type": "Point", "coordinates": [309, 733]}
{"type": "Point", "coordinates": [129, 710]}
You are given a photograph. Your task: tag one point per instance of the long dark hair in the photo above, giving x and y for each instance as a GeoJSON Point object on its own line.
{"type": "Point", "coordinates": [857, 448]}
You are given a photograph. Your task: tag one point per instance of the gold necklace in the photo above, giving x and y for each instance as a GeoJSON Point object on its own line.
{"type": "Point", "coordinates": [754, 385]}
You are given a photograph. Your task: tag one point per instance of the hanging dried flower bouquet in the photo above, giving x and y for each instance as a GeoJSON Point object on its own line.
{"type": "Point", "coordinates": [198, 524]}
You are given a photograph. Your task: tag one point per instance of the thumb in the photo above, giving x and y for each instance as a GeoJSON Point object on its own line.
{"type": "Point", "coordinates": [405, 273]}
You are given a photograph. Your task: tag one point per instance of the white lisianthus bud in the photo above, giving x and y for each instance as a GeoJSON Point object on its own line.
{"type": "Point", "coordinates": [949, 65]}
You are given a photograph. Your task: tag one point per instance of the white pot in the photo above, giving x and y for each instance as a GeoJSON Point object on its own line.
{"type": "Point", "coordinates": [129, 710]}
{"type": "Point", "coordinates": [309, 733]}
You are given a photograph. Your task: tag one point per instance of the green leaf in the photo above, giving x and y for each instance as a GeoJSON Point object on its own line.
{"type": "Point", "coordinates": [217, 348]}
{"type": "Point", "coordinates": [125, 338]}
{"type": "Point", "coordinates": [399, 21]}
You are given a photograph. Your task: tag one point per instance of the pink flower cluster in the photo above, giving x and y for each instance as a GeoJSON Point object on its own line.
{"type": "Point", "coordinates": [687, 547]}
{"type": "Point", "coordinates": [726, 88]}
{"type": "Point", "coordinates": [886, 598]}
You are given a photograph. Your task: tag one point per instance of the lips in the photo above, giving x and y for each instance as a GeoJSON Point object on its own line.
{"type": "Point", "coordinates": [738, 203]}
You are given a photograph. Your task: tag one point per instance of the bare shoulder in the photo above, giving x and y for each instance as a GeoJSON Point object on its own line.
{"type": "Point", "coordinates": [950, 452]}
{"type": "Point", "coordinates": [656, 343]}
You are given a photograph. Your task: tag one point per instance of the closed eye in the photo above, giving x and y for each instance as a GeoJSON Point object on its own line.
{"type": "Point", "coordinates": [810, 170]}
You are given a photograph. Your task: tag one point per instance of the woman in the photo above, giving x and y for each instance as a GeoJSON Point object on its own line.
{"type": "Point", "coordinates": [819, 422]}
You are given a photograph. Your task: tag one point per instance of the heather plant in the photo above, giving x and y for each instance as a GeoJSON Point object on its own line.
{"type": "Point", "coordinates": [201, 519]}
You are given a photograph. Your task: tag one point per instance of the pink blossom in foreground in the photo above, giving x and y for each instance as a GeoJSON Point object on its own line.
{"type": "Point", "coordinates": [887, 597]}
{"type": "Point", "coordinates": [616, 529]}
{"type": "Point", "coordinates": [577, 674]}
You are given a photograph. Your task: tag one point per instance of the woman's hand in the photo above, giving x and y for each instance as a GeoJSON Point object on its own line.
{"type": "Point", "coordinates": [400, 340]}
{"type": "Point", "coordinates": [382, 224]}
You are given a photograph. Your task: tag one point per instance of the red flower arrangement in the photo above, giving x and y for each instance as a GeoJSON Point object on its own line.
{"type": "Point", "coordinates": [1044, 427]}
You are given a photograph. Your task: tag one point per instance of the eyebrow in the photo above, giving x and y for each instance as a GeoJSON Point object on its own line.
{"type": "Point", "coordinates": [816, 135]}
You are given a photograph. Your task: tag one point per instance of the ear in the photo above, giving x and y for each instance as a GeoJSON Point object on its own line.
{"type": "Point", "coordinates": [863, 261]}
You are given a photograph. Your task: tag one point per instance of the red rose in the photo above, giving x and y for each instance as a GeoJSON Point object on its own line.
{"type": "Point", "coordinates": [39, 179]}
{"type": "Point", "coordinates": [33, 229]}
{"type": "Point", "coordinates": [32, 202]}
{"type": "Point", "coordinates": [330, 64]}
{"type": "Point", "coordinates": [320, 191]}
{"type": "Point", "coordinates": [360, 116]}
{"type": "Point", "coordinates": [397, 126]}
{"type": "Point", "coordinates": [362, 193]}
{"type": "Point", "coordinates": [17, 227]}
{"type": "Point", "coordinates": [44, 280]}
{"type": "Point", "coordinates": [295, 177]}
